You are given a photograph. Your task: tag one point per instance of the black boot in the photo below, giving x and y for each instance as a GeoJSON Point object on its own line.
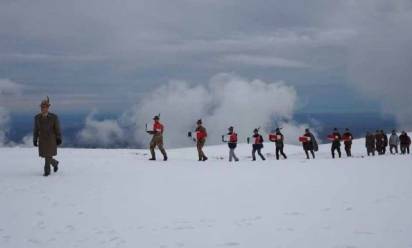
{"type": "Point", "coordinates": [55, 166]}
{"type": "Point", "coordinates": [46, 170]}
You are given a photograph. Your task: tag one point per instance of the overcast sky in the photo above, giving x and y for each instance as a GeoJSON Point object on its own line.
{"type": "Point", "coordinates": [340, 55]}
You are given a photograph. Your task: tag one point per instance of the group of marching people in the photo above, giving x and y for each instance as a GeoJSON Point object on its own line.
{"type": "Point", "coordinates": [374, 142]}
{"type": "Point", "coordinates": [378, 142]}
{"type": "Point", "coordinates": [47, 136]}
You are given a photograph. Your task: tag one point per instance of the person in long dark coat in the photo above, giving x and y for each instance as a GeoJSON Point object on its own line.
{"type": "Point", "coordinates": [370, 143]}
{"type": "Point", "coordinates": [379, 142]}
{"type": "Point", "coordinates": [47, 136]}
{"type": "Point", "coordinates": [405, 142]}
{"type": "Point", "coordinates": [384, 142]}
{"type": "Point", "coordinates": [310, 144]}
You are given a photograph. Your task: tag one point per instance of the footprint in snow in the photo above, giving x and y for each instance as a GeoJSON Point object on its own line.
{"type": "Point", "coordinates": [180, 228]}
{"type": "Point", "coordinates": [6, 238]}
{"type": "Point", "coordinates": [178, 244]}
{"type": "Point", "coordinates": [293, 214]}
{"type": "Point", "coordinates": [41, 225]}
{"type": "Point", "coordinates": [363, 233]}
{"type": "Point", "coordinates": [230, 244]}
{"type": "Point", "coordinates": [69, 228]}
{"type": "Point", "coordinates": [34, 241]}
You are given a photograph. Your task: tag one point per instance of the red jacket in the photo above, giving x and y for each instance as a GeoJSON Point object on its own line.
{"type": "Point", "coordinates": [201, 133]}
{"type": "Point", "coordinates": [158, 127]}
{"type": "Point", "coordinates": [233, 138]}
{"type": "Point", "coordinates": [258, 139]}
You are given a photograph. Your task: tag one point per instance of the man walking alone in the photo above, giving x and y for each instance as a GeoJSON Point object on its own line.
{"type": "Point", "coordinates": [47, 136]}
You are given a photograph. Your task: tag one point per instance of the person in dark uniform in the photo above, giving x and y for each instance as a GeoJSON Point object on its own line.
{"type": "Point", "coordinates": [310, 144]}
{"type": "Point", "coordinates": [370, 142]}
{"type": "Point", "coordinates": [47, 136]}
{"type": "Point", "coordinates": [335, 137]}
{"type": "Point", "coordinates": [379, 142]}
{"type": "Point", "coordinates": [257, 145]}
{"type": "Point", "coordinates": [279, 142]}
{"type": "Point", "coordinates": [405, 142]}
{"type": "Point", "coordinates": [384, 142]}
{"type": "Point", "coordinates": [347, 141]}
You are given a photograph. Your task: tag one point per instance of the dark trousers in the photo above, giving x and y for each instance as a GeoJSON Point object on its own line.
{"type": "Point", "coordinates": [370, 150]}
{"type": "Point", "coordinates": [404, 149]}
{"type": "Point", "coordinates": [49, 161]}
{"type": "Point", "coordinates": [257, 148]}
{"type": "Point", "coordinates": [348, 151]}
{"type": "Point", "coordinates": [232, 155]}
{"type": "Point", "coordinates": [337, 148]}
{"type": "Point", "coordinates": [380, 149]}
{"type": "Point", "coordinates": [201, 154]}
{"type": "Point", "coordinates": [307, 153]}
{"type": "Point", "coordinates": [279, 149]}
{"type": "Point", "coordinates": [157, 140]}
{"type": "Point", "coordinates": [393, 147]}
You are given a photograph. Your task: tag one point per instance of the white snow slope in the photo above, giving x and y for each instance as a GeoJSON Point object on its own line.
{"type": "Point", "coordinates": [116, 198]}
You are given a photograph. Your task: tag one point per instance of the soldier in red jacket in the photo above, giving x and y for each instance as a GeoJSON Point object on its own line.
{"type": "Point", "coordinates": [257, 145]}
{"type": "Point", "coordinates": [278, 138]}
{"type": "Point", "coordinates": [201, 135]}
{"type": "Point", "coordinates": [335, 138]}
{"type": "Point", "coordinates": [232, 143]}
{"type": "Point", "coordinates": [157, 139]}
{"type": "Point", "coordinates": [347, 141]}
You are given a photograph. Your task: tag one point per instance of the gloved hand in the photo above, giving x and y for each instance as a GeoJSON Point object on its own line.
{"type": "Point", "coordinates": [35, 142]}
{"type": "Point", "coordinates": [58, 141]}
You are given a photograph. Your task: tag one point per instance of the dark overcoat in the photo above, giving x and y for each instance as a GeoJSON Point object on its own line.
{"type": "Point", "coordinates": [47, 131]}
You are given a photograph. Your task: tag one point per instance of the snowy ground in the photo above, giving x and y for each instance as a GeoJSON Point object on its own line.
{"type": "Point", "coordinates": [116, 198]}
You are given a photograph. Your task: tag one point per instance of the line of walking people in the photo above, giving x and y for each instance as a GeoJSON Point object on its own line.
{"type": "Point", "coordinates": [378, 142]}
{"type": "Point", "coordinates": [47, 136]}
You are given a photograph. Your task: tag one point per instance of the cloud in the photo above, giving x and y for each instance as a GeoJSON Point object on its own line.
{"type": "Point", "coordinates": [263, 61]}
{"type": "Point", "coordinates": [27, 141]}
{"type": "Point", "coordinates": [227, 100]}
{"type": "Point", "coordinates": [380, 61]}
{"type": "Point", "coordinates": [105, 133]}
{"type": "Point", "coordinates": [47, 58]}
{"type": "Point", "coordinates": [365, 44]}
{"type": "Point", "coordinates": [9, 88]}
